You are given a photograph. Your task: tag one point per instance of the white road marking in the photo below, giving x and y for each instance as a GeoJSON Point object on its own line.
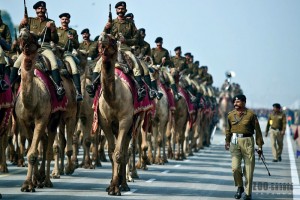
{"type": "Point", "coordinates": [294, 172]}
{"type": "Point", "coordinates": [131, 191]}
{"type": "Point", "coordinates": [177, 165]}
{"type": "Point", "coordinates": [150, 180]}
{"type": "Point", "coordinates": [165, 172]}
{"type": "Point", "coordinates": [18, 171]}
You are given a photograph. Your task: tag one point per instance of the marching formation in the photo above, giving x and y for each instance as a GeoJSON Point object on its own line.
{"type": "Point", "coordinates": [57, 94]}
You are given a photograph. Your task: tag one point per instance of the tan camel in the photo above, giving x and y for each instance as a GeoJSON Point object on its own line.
{"type": "Point", "coordinates": [116, 115]}
{"type": "Point", "coordinates": [34, 114]}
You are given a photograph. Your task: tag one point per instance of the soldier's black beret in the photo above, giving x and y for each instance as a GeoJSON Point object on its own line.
{"type": "Point", "coordinates": [188, 54]}
{"type": "Point", "coordinates": [67, 15]}
{"type": "Point", "coordinates": [240, 97]}
{"type": "Point", "coordinates": [120, 3]}
{"type": "Point", "coordinates": [277, 105]}
{"type": "Point", "coordinates": [177, 48]}
{"type": "Point", "coordinates": [158, 40]}
{"type": "Point", "coordinates": [39, 4]}
{"type": "Point", "coordinates": [86, 30]}
{"type": "Point", "coordinates": [129, 15]}
{"type": "Point", "coordinates": [197, 62]}
{"type": "Point", "coordinates": [204, 67]}
{"type": "Point", "coordinates": [142, 30]}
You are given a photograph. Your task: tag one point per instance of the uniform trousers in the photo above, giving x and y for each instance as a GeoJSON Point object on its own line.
{"type": "Point", "coordinates": [243, 150]}
{"type": "Point", "coordinates": [276, 142]}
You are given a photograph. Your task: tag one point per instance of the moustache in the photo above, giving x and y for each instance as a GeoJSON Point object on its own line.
{"type": "Point", "coordinates": [120, 13]}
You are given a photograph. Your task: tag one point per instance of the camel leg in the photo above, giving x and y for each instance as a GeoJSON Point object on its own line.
{"type": "Point", "coordinates": [49, 156]}
{"type": "Point", "coordinates": [70, 128]}
{"type": "Point", "coordinates": [62, 145]}
{"type": "Point", "coordinates": [102, 147]}
{"type": "Point", "coordinates": [150, 147]}
{"type": "Point", "coordinates": [56, 150]}
{"type": "Point", "coordinates": [3, 145]}
{"type": "Point", "coordinates": [32, 155]}
{"type": "Point", "coordinates": [122, 173]}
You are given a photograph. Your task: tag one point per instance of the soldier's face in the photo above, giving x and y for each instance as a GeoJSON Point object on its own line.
{"type": "Point", "coordinates": [64, 21]}
{"type": "Point", "coordinates": [178, 52]}
{"type": "Point", "coordinates": [159, 44]}
{"type": "Point", "coordinates": [40, 11]}
{"type": "Point", "coordinates": [121, 10]}
{"type": "Point", "coordinates": [238, 104]}
{"type": "Point", "coordinates": [86, 36]}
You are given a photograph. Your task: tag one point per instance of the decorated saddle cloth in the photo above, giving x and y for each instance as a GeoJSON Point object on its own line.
{"type": "Point", "coordinates": [168, 92]}
{"type": "Point", "coordinates": [139, 106]}
{"type": "Point", "coordinates": [190, 105]}
{"type": "Point", "coordinates": [6, 105]}
{"type": "Point", "coordinates": [56, 104]}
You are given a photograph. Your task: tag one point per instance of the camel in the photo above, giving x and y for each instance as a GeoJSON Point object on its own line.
{"type": "Point", "coordinates": [34, 113]}
{"type": "Point", "coordinates": [225, 105]}
{"type": "Point", "coordinates": [69, 119]}
{"type": "Point", "coordinates": [115, 114]}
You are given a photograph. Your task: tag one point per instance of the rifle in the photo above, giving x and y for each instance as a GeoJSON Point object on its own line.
{"type": "Point", "coordinates": [109, 18]}
{"type": "Point", "coordinates": [26, 14]}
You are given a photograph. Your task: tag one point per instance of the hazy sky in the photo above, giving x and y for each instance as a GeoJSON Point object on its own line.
{"type": "Point", "coordinates": [257, 39]}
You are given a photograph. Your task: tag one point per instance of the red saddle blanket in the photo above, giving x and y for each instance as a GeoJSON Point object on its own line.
{"type": "Point", "coordinates": [169, 95]}
{"type": "Point", "coordinates": [56, 105]}
{"type": "Point", "coordinates": [190, 105]}
{"type": "Point", "coordinates": [6, 105]}
{"type": "Point", "coordinates": [139, 106]}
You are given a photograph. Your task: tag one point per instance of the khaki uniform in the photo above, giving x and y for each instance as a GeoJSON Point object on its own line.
{"type": "Point", "coordinates": [157, 56]}
{"type": "Point", "coordinates": [91, 47]}
{"type": "Point", "coordinates": [46, 36]}
{"type": "Point", "coordinates": [242, 147]}
{"type": "Point", "coordinates": [129, 31]}
{"type": "Point", "coordinates": [140, 51]}
{"type": "Point", "coordinates": [68, 46]}
{"type": "Point", "coordinates": [179, 63]}
{"type": "Point", "coordinates": [277, 125]}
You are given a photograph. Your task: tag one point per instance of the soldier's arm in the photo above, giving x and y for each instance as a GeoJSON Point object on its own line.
{"type": "Point", "coordinates": [75, 41]}
{"type": "Point", "coordinates": [210, 80]}
{"type": "Point", "coordinates": [268, 124]}
{"type": "Point", "coordinates": [135, 36]}
{"type": "Point", "coordinates": [258, 136]}
{"type": "Point", "coordinates": [283, 123]}
{"type": "Point", "coordinates": [228, 131]}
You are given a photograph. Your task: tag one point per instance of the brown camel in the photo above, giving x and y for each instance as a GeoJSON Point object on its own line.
{"type": "Point", "coordinates": [116, 114]}
{"type": "Point", "coordinates": [34, 113]}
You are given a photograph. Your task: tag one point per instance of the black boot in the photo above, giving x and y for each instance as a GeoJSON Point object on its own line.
{"type": "Point", "coordinates": [159, 94]}
{"type": "Point", "coordinates": [60, 91]}
{"type": "Point", "coordinates": [152, 91]}
{"type": "Point", "coordinates": [175, 92]}
{"type": "Point", "coordinates": [239, 192]}
{"type": "Point", "coordinates": [91, 89]}
{"type": "Point", "coordinates": [198, 98]}
{"type": "Point", "coordinates": [76, 79]}
{"type": "Point", "coordinates": [190, 92]}
{"type": "Point", "coordinates": [140, 87]}
{"type": "Point", "coordinates": [3, 84]}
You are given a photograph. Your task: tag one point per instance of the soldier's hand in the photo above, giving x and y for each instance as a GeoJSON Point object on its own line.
{"type": "Point", "coordinates": [282, 132]}
{"type": "Point", "coordinates": [122, 39]}
{"type": "Point", "coordinates": [163, 60]}
{"type": "Point", "coordinates": [24, 21]}
{"type": "Point", "coordinates": [259, 152]}
{"type": "Point", "coordinates": [227, 146]}
{"type": "Point", "coordinates": [70, 36]}
{"type": "Point", "coordinates": [51, 25]}
{"type": "Point", "coordinates": [108, 25]}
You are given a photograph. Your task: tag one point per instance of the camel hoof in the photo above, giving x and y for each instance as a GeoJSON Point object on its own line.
{"type": "Point", "coordinates": [134, 174]}
{"type": "Point", "coordinates": [48, 184]}
{"type": "Point", "coordinates": [27, 187]}
{"type": "Point", "coordinates": [125, 188]}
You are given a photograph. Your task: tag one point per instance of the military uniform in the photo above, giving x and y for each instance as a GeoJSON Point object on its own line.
{"type": "Point", "coordinates": [277, 126]}
{"type": "Point", "coordinates": [68, 45]}
{"type": "Point", "coordinates": [5, 45]}
{"type": "Point", "coordinates": [157, 55]}
{"type": "Point", "coordinates": [45, 35]}
{"type": "Point", "coordinates": [239, 134]}
{"type": "Point", "coordinates": [91, 47]}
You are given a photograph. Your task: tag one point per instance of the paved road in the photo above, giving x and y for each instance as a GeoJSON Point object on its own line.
{"type": "Point", "coordinates": [206, 175]}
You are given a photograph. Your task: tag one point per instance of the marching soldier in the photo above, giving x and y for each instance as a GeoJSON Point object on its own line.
{"type": "Point", "coordinates": [276, 125]}
{"type": "Point", "coordinates": [68, 41]}
{"type": "Point", "coordinates": [178, 60]}
{"type": "Point", "coordinates": [46, 31]}
{"type": "Point", "coordinates": [127, 34]}
{"type": "Point", "coordinates": [161, 59]}
{"type": "Point", "coordinates": [5, 45]}
{"type": "Point", "coordinates": [88, 45]}
{"type": "Point", "coordinates": [239, 140]}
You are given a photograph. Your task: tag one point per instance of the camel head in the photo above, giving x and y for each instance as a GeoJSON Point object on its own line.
{"type": "Point", "coordinates": [28, 42]}
{"type": "Point", "coordinates": [107, 46]}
